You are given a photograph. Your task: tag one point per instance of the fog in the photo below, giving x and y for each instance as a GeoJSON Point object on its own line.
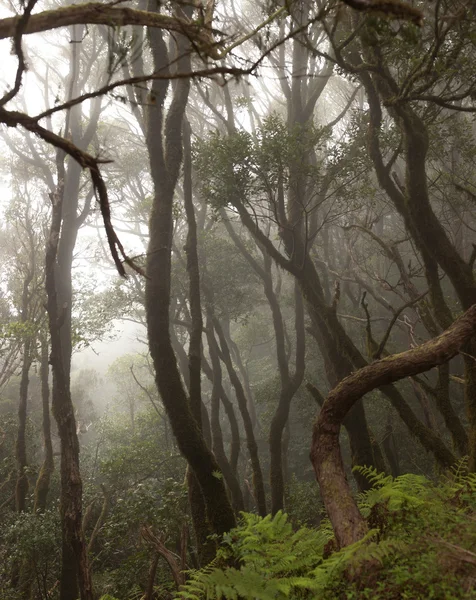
{"type": "Point", "coordinates": [237, 300]}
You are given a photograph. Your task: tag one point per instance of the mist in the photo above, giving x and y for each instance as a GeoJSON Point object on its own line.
{"type": "Point", "coordinates": [237, 300]}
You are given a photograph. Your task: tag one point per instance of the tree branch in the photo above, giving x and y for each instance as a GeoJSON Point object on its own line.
{"type": "Point", "coordinates": [348, 524]}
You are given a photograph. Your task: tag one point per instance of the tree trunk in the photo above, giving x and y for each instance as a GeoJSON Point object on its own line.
{"type": "Point", "coordinates": [22, 485]}
{"type": "Point", "coordinates": [414, 205]}
{"type": "Point", "coordinates": [349, 526]}
{"type": "Point", "coordinates": [235, 442]}
{"type": "Point", "coordinates": [74, 567]}
{"type": "Point", "coordinates": [289, 387]}
{"type": "Point", "coordinates": [206, 548]}
{"type": "Point", "coordinates": [218, 449]}
{"type": "Point", "coordinates": [258, 482]}
{"type": "Point", "coordinates": [165, 161]}
{"type": "Point", "coordinates": [43, 481]}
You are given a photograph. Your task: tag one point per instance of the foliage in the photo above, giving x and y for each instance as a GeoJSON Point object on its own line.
{"type": "Point", "coordinates": [274, 561]}
{"type": "Point", "coordinates": [32, 541]}
{"type": "Point", "coordinates": [145, 482]}
{"type": "Point", "coordinates": [242, 166]}
{"type": "Point", "coordinates": [303, 503]}
{"type": "Point", "coordinates": [420, 544]}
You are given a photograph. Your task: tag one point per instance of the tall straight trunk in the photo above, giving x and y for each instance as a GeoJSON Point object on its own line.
{"type": "Point", "coordinates": [218, 449]}
{"type": "Point", "coordinates": [66, 221]}
{"type": "Point", "coordinates": [164, 143]}
{"type": "Point", "coordinates": [22, 485]}
{"type": "Point", "coordinates": [21, 489]}
{"type": "Point", "coordinates": [74, 566]}
{"type": "Point", "coordinates": [206, 549]}
{"type": "Point", "coordinates": [258, 482]}
{"type": "Point", "coordinates": [47, 468]}
{"type": "Point", "coordinates": [73, 216]}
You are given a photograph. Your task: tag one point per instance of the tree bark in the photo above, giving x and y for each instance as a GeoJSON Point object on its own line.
{"type": "Point", "coordinates": [22, 485]}
{"type": "Point", "coordinates": [217, 437]}
{"type": "Point", "coordinates": [206, 548]}
{"type": "Point", "coordinates": [414, 205]}
{"type": "Point", "coordinates": [258, 482]}
{"type": "Point", "coordinates": [101, 14]}
{"type": "Point", "coordinates": [235, 442]}
{"type": "Point", "coordinates": [289, 387]}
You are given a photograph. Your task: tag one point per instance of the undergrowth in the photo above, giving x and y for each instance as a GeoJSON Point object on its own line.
{"type": "Point", "coordinates": [421, 544]}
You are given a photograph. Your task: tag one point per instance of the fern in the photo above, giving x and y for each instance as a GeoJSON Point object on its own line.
{"type": "Point", "coordinates": [273, 562]}
{"type": "Point", "coordinates": [274, 559]}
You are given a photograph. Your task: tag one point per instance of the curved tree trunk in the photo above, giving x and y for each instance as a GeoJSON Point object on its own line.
{"type": "Point", "coordinates": [165, 162]}
{"type": "Point", "coordinates": [218, 449]}
{"type": "Point", "coordinates": [289, 384]}
{"type": "Point", "coordinates": [235, 442]}
{"type": "Point", "coordinates": [258, 482]}
{"type": "Point", "coordinates": [414, 205]}
{"type": "Point", "coordinates": [349, 526]}
{"type": "Point", "coordinates": [289, 387]}
{"type": "Point", "coordinates": [206, 548]}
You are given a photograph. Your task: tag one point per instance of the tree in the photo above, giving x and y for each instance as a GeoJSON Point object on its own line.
{"type": "Point", "coordinates": [165, 160]}
{"type": "Point", "coordinates": [348, 524]}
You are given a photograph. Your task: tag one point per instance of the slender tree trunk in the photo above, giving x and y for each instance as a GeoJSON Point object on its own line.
{"type": "Point", "coordinates": [235, 442]}
{"type": "Point", "coordinates": [74, 567]}
{"type": "Point", "coordinates": [149, 592]}
{"type": "Point", "coordinates": [289, 387]}
{"type": "Point", "coordinates": [43, 481]}
{"type": "Point", "coordinates": [258, 482]}
{"type": "Point", "coordinates": [218, 449]}
{"type": "Point", "coordinates": [197, 502]}
{"type": "Point", "coordinates": [414, 205]}
{"type": "Point", "coordinates": [250, 403]}
{"type": "Point", "coordinates": [390, 448]}
{"type": "Point", "coordinates": [22, 485]}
